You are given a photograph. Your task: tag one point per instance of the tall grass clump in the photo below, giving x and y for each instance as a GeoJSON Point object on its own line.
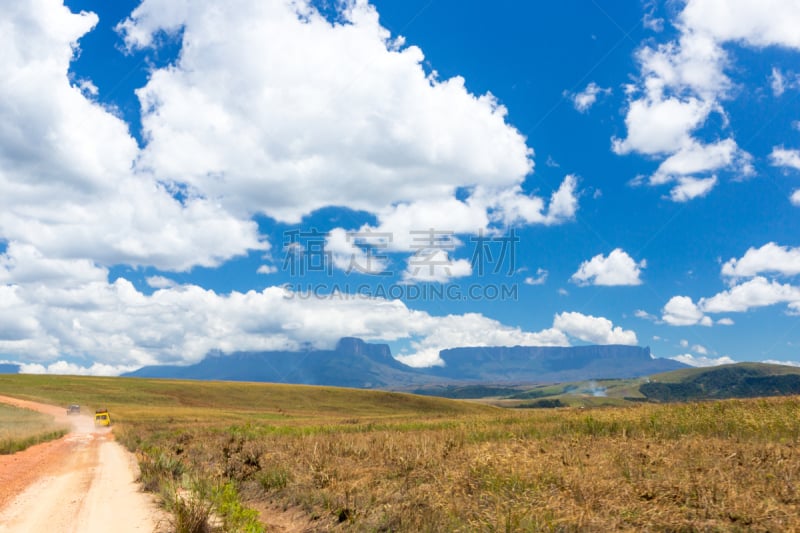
{"type": "Point", "coordinates": [23, 428]}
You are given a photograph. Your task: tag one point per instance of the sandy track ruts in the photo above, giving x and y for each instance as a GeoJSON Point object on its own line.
{"type": "Point", "coordinates": [83, 482]}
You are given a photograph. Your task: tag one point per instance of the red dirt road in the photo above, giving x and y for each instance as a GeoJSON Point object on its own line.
{"type": "Point", "coordinates": [83, 482]}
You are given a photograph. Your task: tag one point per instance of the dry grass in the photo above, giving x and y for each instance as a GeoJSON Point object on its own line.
{"type": "Point", "coordinates": [21, 428]}
{"type": "Point", "coordinates": [313, 459]}
{"type": "Point", "coordinates": [712, 466]}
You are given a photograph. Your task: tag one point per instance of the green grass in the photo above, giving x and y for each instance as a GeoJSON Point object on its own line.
{"type": "Point", "coordinates": [677, 376]}
{"type": "Point", "coordinates": [22, 428]}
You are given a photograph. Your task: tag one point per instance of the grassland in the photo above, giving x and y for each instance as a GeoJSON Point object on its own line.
{"type": "Point", "coordinates": [312, 458]}
{"type": "Point", "coordinates": [21, 428]}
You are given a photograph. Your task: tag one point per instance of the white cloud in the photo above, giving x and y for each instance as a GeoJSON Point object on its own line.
{"type": "Point", "coordinates": [641, 313]}
{"type": "Point", "coordinates": [786, 363]}
{"type": "Point", "coordinates": [404, 226]}
{"type": "Point", "coordinates": [690, 188]}
{"type": "Point", "coordinates": [780, 82]}
{"type": "Point", "coordinates": [756, 292]}
{"type": "Point", "coordinates": [72, 369]}
{"type": "Point", "coordinates": [24, 264]}
{"type": "Point", "coordinates": [783, 157]}
{"type": "Point", "coordinates": [326, 114]}
{"type": "Point", "coordinates": [682, 311]}
{"type": "Point", "coordinates": [703, 361]}
{"type": "Point", "coordinates": [758, 24]}
{"type": "Point", "coordinates": [777, 82]}
{"type": "Point", "coordinates": [598, 330]}
{"type": "Point", "coordinates": [771, 257]}
{"type": "Point", "coordinates": [586, 98]}
{"type": "Point", "coordinates": [348, 252]}
{"type": "Point", "coordinates": [539, 279]}
{"type": "Point", "coordinates": [266, 269]}
{"type": "Point", "coordinates": [160, 282]}
{"type": "Point", "coordinates": [795, 197]}
{"type": "Point", "coordinates": [616, 269]}
{"type": "Point", "coordinates": [683, 81]}
{"type": "Point", "coordinates": [435, 266]}
{"type": "Point", "coordinates": [695, 158]}
{"type": "Point", "coordinates": [120, 328]}
{"type": "Point", "coordinates": [66, 163]}
{"type": "Point", "coordinates": [698, 348]}
{"type": "Point", "coordinates": [657, 127]}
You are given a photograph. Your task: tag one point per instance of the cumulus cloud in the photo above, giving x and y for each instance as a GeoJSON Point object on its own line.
{"type": "Point", "coordinates": [795, 197]}
{"type": "Point", "coordinates": [771, 257]}
{"type": "Point", "coordinates": [66, 163]}
{"type": "Point", "coordinates": [682, 311]}
{"type": "Point", "coordinates": [683, 82]}
{"type": "Point", "coordinates": [160, 282]}
{"type": "Point", "coordinates": [758, 24]}
{"type": "Point", "coordinates": [598, 330]}
{"type": "Point", "coordinates": [80, 323]}
{"type": "Point", "coordinates": [660, 126]}
{"type": "Point", "coordinates": [784, 157]}
{"type": "Point", "coordinates": [435, 266]}
{"type": "Point", "coordinates": [694, 158]}
{"type": "Point", "coordinates": [703, 361]}
{"type": "Point", "coordinates": [73, 369]}
{"type": "Point", "coordinates": [756, 292]}
{"type": "Point", "coordinates": [411, 227]}
{"type": "Point", "coordinates": [748, 287]}
{"type": "Point", "coordinates": [690, 188]}
{"type": "Point", "coordinates": [618, 268]}
{"type": "Point", "coordinates": [586, 98]}
{"type": "Point", "coordinates": [352, 252]}
{"type": "Point", "coordinates": [328, 113]}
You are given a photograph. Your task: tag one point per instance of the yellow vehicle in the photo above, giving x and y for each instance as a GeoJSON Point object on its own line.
{"type": "Point", "coordinates": [102, 418]}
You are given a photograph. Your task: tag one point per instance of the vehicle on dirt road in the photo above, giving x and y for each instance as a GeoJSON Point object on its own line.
{"type": "Point", "coordinates": [74, 409]}
{"type": "Point", "coordinates": [102, 418]}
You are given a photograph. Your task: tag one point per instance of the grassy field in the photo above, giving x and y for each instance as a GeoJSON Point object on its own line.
{"type": "Point", "coordinates": [253, 457]}
{"type": "Point", "coordinates": [21, 428]}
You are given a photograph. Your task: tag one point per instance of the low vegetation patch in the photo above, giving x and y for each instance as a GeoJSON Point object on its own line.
{"type": "Point", "coordinates": [22, 428]}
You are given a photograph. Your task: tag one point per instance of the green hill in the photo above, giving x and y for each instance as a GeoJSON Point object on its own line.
{"type": "Point", "coordinates": [741, 380]}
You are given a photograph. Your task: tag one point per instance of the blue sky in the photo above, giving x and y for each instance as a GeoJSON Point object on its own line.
{"type": "Point", "coordinates": [179, 179]}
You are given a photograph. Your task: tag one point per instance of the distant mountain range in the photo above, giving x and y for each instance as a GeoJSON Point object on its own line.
{"type": "Point", "coordinates": [9, 368]}
{"type": "Point", "coordinates": [355, 363]}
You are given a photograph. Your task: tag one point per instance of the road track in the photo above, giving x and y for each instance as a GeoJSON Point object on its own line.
{"type": "Point", "coordinates": [84, 482]}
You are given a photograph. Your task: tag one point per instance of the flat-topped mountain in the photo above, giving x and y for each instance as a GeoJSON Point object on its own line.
{"type": "Point", "coordinates": [549, 363]}
{"type": "Point", "coordinates": [355, 363]}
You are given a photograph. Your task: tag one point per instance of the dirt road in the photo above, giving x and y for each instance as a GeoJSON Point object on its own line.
{"type": "Point", "coordinates": [81, 483]}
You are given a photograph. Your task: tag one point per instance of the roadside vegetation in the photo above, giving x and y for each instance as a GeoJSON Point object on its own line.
{"type": "Point", "coordinates": [22, 428]}
{"type": "Point", "coordinates": [258, 457]}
